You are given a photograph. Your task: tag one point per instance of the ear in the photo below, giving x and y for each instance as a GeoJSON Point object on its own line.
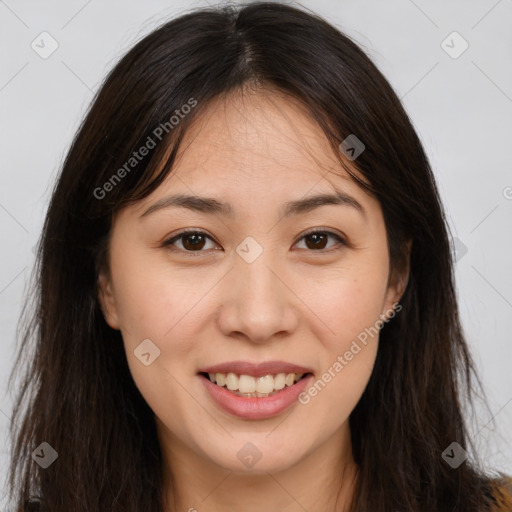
{"type": "Point", "coordinates": [106, 300]}
{"type": "Point", "coordinates": [398, 282]}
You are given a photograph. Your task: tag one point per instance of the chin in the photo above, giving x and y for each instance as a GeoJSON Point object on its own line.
{"type": "Point", "coordinates": [251, 457]}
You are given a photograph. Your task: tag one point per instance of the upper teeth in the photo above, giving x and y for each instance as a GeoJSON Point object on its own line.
{"type": "Point", "coordinates": [250, 384]}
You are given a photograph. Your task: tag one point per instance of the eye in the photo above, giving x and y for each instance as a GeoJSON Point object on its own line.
{"type": "Point", "coordinates": [190, 241]}
{"type": "Point", "coordinates": [196, 241]}
{"type": "Point", "coordinates": [317, 240]}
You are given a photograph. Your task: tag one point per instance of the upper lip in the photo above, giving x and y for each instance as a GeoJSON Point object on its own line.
{"type": "Point", "coordinates": [256, 369]}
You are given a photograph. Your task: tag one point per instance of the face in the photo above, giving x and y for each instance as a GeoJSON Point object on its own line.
{"type": "Point", "coordinates": [266, 282]}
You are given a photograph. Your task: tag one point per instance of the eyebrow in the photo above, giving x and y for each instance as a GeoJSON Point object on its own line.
{"type": "Point", "coordinates": [212, 206]}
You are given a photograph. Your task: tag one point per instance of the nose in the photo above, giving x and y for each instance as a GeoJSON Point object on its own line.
{"type": "Point", "coordinates": [257, 302]}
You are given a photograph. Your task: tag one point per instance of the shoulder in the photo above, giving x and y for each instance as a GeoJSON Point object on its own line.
{"type": "Point", "coordinates": [501, 495]}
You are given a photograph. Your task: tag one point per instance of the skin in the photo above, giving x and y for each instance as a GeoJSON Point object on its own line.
{"type": "Point", "coordinates": [295, 303]}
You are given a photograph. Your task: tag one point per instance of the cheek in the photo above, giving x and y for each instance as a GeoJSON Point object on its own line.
{"type": "Point", "coordinates": [350, 348]}
{"type": "Point", "coordinates": [346, 302]}
{"type": "Point", "coordinates": [348, 306]}
{"type": "Point", "coordinates": [160, 308]}
{"type": "Point", "coordinates": [347, 355]}
{"type": "Point", "coordinates": [151, 300]}
{"type": "Point", "coordinates": [154, 305]}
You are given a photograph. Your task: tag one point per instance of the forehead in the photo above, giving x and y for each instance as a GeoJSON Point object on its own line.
{"type": "Point", "coordinates": [258, 135]}
{"type": "Point", "coordinates": [259, 149]}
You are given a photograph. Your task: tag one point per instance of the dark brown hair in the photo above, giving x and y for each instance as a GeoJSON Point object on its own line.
{"type": "Point", "coordinates": [77, 392]}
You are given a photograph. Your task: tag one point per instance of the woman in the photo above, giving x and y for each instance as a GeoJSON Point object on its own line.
{"type": "Point", "coordinates": [245, 296]}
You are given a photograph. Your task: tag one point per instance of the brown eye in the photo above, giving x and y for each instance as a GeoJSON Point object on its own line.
{"type": "Point", "coordinates": [317, 240]}
{"type": "Point", "coordinates": [190, 241]}
{"type": "Point", "coordinates": [193, 242]}
{"type": "Point", "coordinates": [196, 241]}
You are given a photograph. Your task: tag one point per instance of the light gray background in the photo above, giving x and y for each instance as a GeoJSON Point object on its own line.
{"type": "Point", "coordinates": [461, 107]}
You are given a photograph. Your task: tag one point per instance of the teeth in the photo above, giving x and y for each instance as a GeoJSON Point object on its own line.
{"type": "Point", "coordinates": [231, 381]}
{"type": "Point", "coordinates": [220, 378]}
{"type": "Point", "coordinates": [264, 384]}
{"type": "Point", "coordinates": [280, 381]}
{"type": "Point", "coordinates": [290, 379]}
{"type": "Point", "coordinates": [247, 385]}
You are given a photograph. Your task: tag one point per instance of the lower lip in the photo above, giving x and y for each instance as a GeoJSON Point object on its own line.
{"type": "Point", "coordinates": [256, 408]}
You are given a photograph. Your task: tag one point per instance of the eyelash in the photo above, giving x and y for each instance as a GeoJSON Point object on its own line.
{"type": "Point", "coordinates": [169, 243]}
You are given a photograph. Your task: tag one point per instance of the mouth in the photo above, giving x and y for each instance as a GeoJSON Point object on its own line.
{"type": "Point", "coordinates": [250, 386]}
{"type": "Point", "coordinates": [255, 391]}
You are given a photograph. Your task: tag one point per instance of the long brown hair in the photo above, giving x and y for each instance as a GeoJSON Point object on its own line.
{"type": "Point", "coordinates": [77, 393]}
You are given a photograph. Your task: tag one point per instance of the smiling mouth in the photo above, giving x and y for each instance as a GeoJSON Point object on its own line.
{"type": "Point", "coordinates": [249, 386]}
